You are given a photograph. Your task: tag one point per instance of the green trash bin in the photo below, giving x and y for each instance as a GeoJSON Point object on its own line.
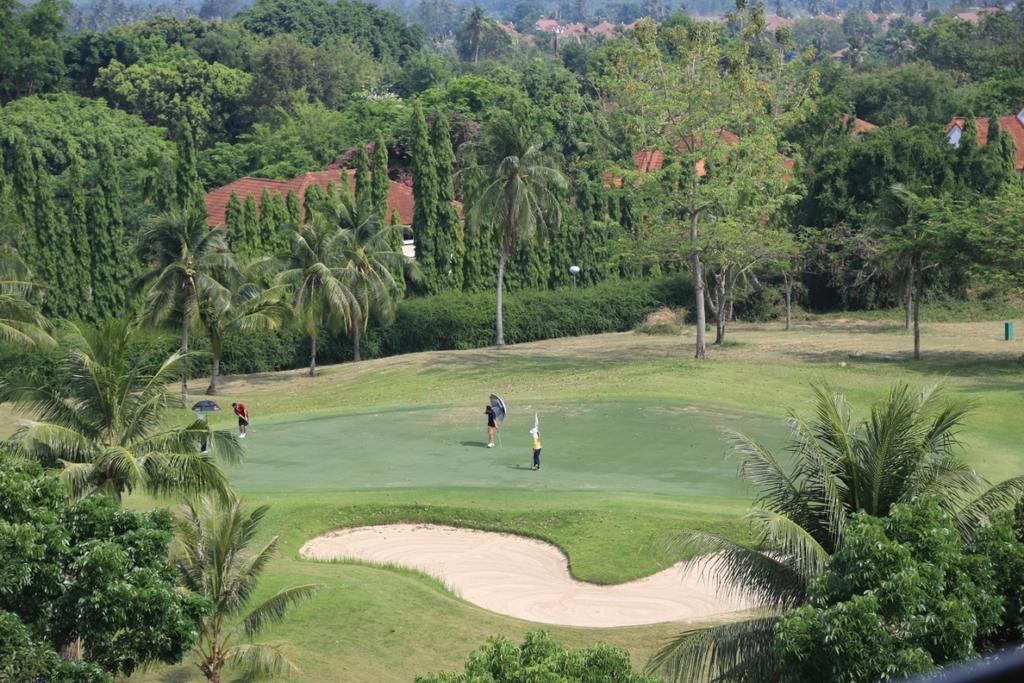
{"type": "Point", "coordinates": [1008, 330]}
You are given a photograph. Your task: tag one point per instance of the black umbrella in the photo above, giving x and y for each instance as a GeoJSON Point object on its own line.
{"type": "Point", "coordinates": [499, 407]}
{"type": "Point", "coordinates": [206, 406]}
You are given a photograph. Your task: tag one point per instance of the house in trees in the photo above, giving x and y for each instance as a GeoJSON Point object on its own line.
{"type": "Point", "coordinates": [400, 200]}
{"type": "Point", "coordinates": [1012, 125]}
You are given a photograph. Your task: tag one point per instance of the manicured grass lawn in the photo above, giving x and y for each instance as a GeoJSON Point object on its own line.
{"type": "Point", "coordinates": [634, 447]}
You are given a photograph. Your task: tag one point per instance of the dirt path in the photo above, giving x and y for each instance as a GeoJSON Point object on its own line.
{"type": "Point", "coordinates": [526, 578]}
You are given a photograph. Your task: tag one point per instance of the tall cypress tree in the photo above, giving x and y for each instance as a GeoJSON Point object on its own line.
{"type": "Point", "coordinates": [23, 192]}
{"type": "Point", "coordinates": [363, 191]}
{"type": "Point", "coordinates": [113, 263]}
{"type": "Point", "coordinates": [380, 184]}
{"type": "Point", "coordinates": [234, 217]}
{"type": "Point", "coordinates": [282, 225]}
{"type": "Point", "coordinates": [54, 254]}
{"type": "Point", "coordinates": [267, 228]}
{"type": "Point", "coordinates": [314, 202]}
{"type": "Point", "coordinates": [78, 227]}
{"type": "Point", "coordinates": [424, 190]}
{"type": "Point", "coordinates": [294, 211]}
{"type": "Point", "coordinates": [450, 249]}
{"type": "Point", "coordinates": [250, 231]}
{"type": "Point", "coordinates": [165, 192]}
{"type": "Point", "coordinates": [188, 190]}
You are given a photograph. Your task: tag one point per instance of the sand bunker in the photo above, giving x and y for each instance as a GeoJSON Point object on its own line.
{"type": "Point", "coordinates": [526, 578]}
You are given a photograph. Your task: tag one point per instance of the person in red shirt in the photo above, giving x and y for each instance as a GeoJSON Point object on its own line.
{"type": "Point", "coordinates": [243, 418]}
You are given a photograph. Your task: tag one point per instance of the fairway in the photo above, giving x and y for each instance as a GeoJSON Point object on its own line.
{"type": "Point", "coordinates": [635, 446]}
{"type": "Point", "coordinates": [627, 446]}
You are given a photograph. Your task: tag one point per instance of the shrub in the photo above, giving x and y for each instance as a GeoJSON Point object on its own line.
{"type": "Point", "coordinates": [466, 321]}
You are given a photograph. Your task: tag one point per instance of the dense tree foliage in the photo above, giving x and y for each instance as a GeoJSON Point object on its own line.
{"type": "Point", "coordinates": [539, 657]}
{"type": "Point", "coordinates": [86, 577]}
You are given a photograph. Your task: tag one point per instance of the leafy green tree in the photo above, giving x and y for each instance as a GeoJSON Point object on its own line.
{"type": "Point", "coordinates": [267, 223]}
{"type": "Point", "coordinates": [79, 260]}
{"type": "Point", "coordinates": [905, 593]}
{"type": "Point", "coordinates": [165, 92]}
{"type": "Point", "coordinates": [449, 247]}
{"type": "Point", "coordinates": [906, 449]}
{"type": "Point", "coordinates": [113, 266]}
{"type": "Point", "coordinates": [219, 560]}
{"type": "Point", "coordinates": [516, 193]}
{"type": "Point", "coordinates": [425, 191]}
{"type": "Point", "coordinates": [317, 283]}
{"type": "Point", "coordinates": [33, 59]}
{"type": "Point", "coordinates": [233, 218]}
{"type": "Point", "coordinates": [102, 422]}
{"type": "Point", "coordinates": [540, 658]}
{"type": "Point", "coordinates": [188, 265]}
{"type": "Point", "coordinates": [473, 28]}
{"type": "Point", "coordinates": [87, 579]}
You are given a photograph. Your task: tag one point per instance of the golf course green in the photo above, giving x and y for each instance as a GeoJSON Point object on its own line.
{"type": "Point", "coordinates": [635, 446]}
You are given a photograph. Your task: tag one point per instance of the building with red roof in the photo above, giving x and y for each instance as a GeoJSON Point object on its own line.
{"type": "Point", "coordinates": [1012, 125]}
{"type": "Point", "coordinates": [400, 197]}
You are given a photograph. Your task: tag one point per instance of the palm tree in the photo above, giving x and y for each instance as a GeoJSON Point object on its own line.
{"type": "Point", "coordinates": [102, 423]}
{"type": "Point", "coordinates": [216, 560]}
{"type": "Point", "coordinates": [905, 449]}
{"type": "Point", "coordinates": [475, 26]}
{"type": "Point", "coordinates": [371, 264]}
{"type": "Point", "coordinates": [245, 307]}
{"type": "Point", "coordinates": [515, 193]}
{"type": "Point", "coordinates": [189, 262]}
{"type": "Point", "coordinates": [317, 280]}
{"type": "Point", "coordinates": [21, 322]}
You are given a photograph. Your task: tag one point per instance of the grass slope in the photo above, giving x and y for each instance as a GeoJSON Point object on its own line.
{"type": "Point", "coordinates": [634, 433]}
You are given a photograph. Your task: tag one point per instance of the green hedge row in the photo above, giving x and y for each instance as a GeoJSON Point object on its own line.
{"type": "Point", "coordinates": [466, 321]}
{"type": "Point", "coordinates": [440, 322]}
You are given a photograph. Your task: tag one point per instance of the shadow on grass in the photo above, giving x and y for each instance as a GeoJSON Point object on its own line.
{"type": "Point", "coordinates": [519, 467]}
{"type": "Point", "coordinates": [998, 366]}
{"type": "Point", "coordinates": [474, 444]}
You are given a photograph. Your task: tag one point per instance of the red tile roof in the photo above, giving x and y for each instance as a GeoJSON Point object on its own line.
{"type": "Point", "coordinates": [546, 25]}
{"type": "Point", "coordinates": [400, 197]}
{"type": "Point", "coordinates": [605, 29]}
{"type": "Point", "coordinates": [860, 126]}
{"type": "Point", "coordinates": [1011, 125]}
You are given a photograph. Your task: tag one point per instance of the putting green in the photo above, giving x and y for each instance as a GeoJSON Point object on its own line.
{"type": "Point", "coordinates": [625, 446]}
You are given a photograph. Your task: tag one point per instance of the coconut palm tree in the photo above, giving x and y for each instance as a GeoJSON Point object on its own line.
{"type": "Point", "coordinates": [317, 281]}
{"type": "Point", "coordinates": [20, 321]}
{"type": "Point", "coordinates": [373, 267]}
{"type": "Point", "coordinates": [103, 422]}
{"type": "Point", "coordinates": [906, 448]}
{"type": "Point", "coordinates": [188, 264]}
{"type": "Point", "coordinates": [217, 559]}
{"type": "Point", "coordinates": [514, 192]}
{"type": "Point", "coordinates": [242, 307]}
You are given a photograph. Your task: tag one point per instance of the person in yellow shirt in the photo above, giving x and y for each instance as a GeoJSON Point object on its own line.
{"type": "Point", "coordinates": [536, 448]}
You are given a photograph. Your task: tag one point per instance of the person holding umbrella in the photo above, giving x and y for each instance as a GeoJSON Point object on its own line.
{"type": "Point", "coordinates": [201, 409]}
{"type": "Point", "coordinates": [492, 425]}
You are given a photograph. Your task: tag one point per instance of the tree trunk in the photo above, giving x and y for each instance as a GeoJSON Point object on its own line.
{"type": "Point", "coordinates": [499, 326]}
{"type": "Point", "coordinates": [720, 310]}
{"type": "Point", "coordinates": [184, 349]}
{"type": "Point", "coordinates": [357, 334]}
{"type": "Point", "coordinates": [312, 355]}
{"type": "Point", "coordinates": [908, 301]}
{"type": "Point", "coordinates": [214, 374]}
{"type": "Point", "coordinates": [698, 288]}
{"type": "Point", "coordinates": [917, 319]}
{"type": "Point", "coordinates": [789, 300]}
